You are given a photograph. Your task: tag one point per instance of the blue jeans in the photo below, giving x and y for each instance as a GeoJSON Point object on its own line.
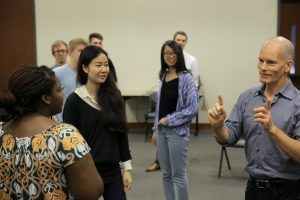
{"type": "Point", "coordinates": [172, 154]}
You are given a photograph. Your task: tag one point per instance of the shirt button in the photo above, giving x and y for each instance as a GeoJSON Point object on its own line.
{"type": "Point", "coordinates": [257, 150]}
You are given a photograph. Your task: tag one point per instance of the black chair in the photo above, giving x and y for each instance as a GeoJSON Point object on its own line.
{"type": "Point", "coordinates": [150, 114]}
{"type": "Point", "coordinates": [239, 144]}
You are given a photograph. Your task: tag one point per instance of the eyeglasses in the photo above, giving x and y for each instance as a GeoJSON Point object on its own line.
{"type": "Point", "coordinates": [61, 51]}
{"type": "Point", "coordinates": [169, 54]}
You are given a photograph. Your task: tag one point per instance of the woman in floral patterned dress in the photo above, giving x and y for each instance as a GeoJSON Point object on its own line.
{"type": "Point", "coordinates": [41, 158]}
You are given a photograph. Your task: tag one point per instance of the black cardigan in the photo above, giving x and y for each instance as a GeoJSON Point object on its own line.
{"type": "Point", "coordinates": [107, 148]}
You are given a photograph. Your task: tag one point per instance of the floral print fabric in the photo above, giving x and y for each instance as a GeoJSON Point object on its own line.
{"type": "Point", "coordinates": [33, 167]}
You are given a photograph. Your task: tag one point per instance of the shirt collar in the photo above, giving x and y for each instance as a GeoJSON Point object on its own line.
{"type": "Point", "coordinates": [84, 94]}
{"type": "Point", "coordinates": [286, 91]}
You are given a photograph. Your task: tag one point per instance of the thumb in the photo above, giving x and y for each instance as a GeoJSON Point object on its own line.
{"type": "Point", "coordinates": [268, 104]}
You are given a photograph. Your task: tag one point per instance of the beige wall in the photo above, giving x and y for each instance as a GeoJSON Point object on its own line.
{"type": "Point", "coordinates": [224, 37]}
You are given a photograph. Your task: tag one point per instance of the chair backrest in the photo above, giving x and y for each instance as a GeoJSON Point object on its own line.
{"type": "Point", "coordinates": [152, 101]}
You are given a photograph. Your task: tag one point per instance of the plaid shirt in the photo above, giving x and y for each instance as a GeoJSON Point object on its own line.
{"type": "Point", "coordinates": [187, 105]}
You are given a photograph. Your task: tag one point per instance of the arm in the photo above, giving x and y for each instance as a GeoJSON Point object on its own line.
{"type": "Point", "coordinates": [126, 159]}
{"type": "Point", "coordinates": [84, 172]}
{"type": "Point", "coordinates": [73, 154]}
{"type": "Point", "coordinates": [154, 139]}
{"type": "Point", "coordinates": [289, 146]}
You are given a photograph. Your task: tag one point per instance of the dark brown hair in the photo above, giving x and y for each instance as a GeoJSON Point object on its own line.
{"type": "Point", "coordinates": [95, 35]}
{"type": "Point", "coordinates": [180, 33]}
{"type": "Point", "coordinates": [180, 64]}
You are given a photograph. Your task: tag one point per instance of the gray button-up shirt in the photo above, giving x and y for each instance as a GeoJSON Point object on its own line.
{"type": "Point", "coordinates": [265, 158]}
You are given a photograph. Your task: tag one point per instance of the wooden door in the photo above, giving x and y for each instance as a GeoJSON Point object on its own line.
{"type": "Point", "coordinates": [289, 27]}
{"type": "Point", "coordinates": [17, 36]}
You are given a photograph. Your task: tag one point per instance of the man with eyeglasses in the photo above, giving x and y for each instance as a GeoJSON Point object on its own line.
{"type": "Point", "coordinates": [67, 73]}
{"type": "Point", "coordinates": [60, 52]}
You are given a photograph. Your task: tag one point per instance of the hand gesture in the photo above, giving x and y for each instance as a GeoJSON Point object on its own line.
{"type": "Point", "coordinates": [217, 114]}
{"type": "Point", "coordinates": [263, 116]}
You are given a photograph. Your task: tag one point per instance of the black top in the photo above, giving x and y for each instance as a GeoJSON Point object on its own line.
{"type": "Point", "coordinates": [168, 98]}
{"type": "Point", "coordinates": [107, 148]}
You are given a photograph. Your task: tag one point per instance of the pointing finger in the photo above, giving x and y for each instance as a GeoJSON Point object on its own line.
{"type": "Point", "coordinates": [220, 100]}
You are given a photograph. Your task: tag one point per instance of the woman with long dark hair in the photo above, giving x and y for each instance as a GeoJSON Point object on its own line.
{"type": "Point", "coordinates": [41, 158]}
{"type": "Point", "coordinates": [97, 110]}
{"type": "Point", "coordinates": [177, 105]}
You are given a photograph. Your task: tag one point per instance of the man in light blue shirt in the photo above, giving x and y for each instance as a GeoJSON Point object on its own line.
{"type": "Point", "coordinates": [67, 74]}
{"type": "Point", "coordinates": [268, 117]}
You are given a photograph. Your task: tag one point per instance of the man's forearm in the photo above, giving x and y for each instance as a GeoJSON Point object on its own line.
{"type": "Point", "coordinates": [222, 134]}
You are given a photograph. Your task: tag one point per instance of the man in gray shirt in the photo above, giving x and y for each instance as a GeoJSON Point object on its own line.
{"type": "Point", "coordinates": [268, 117]}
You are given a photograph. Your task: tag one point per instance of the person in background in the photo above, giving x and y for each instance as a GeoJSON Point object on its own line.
{"type": "Point", "coordinates": [96, 39]}
{"type": "Point", "coordinates": [192, 66]}
{"type": "Point", "coordinates": [59, 51]}
{"type": "Point", "coordinates": [190, 61]}
{"type": "Point", "coordinates": [97, 110]}
{"type": "Point", "coordinates": [41, 158]}
{"type": "Point", "coordinates": [67, 73]}
{"type": "Point", "coordinates": [177, 105]}
{"type": "Point", "coordinates": [268, 117]}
